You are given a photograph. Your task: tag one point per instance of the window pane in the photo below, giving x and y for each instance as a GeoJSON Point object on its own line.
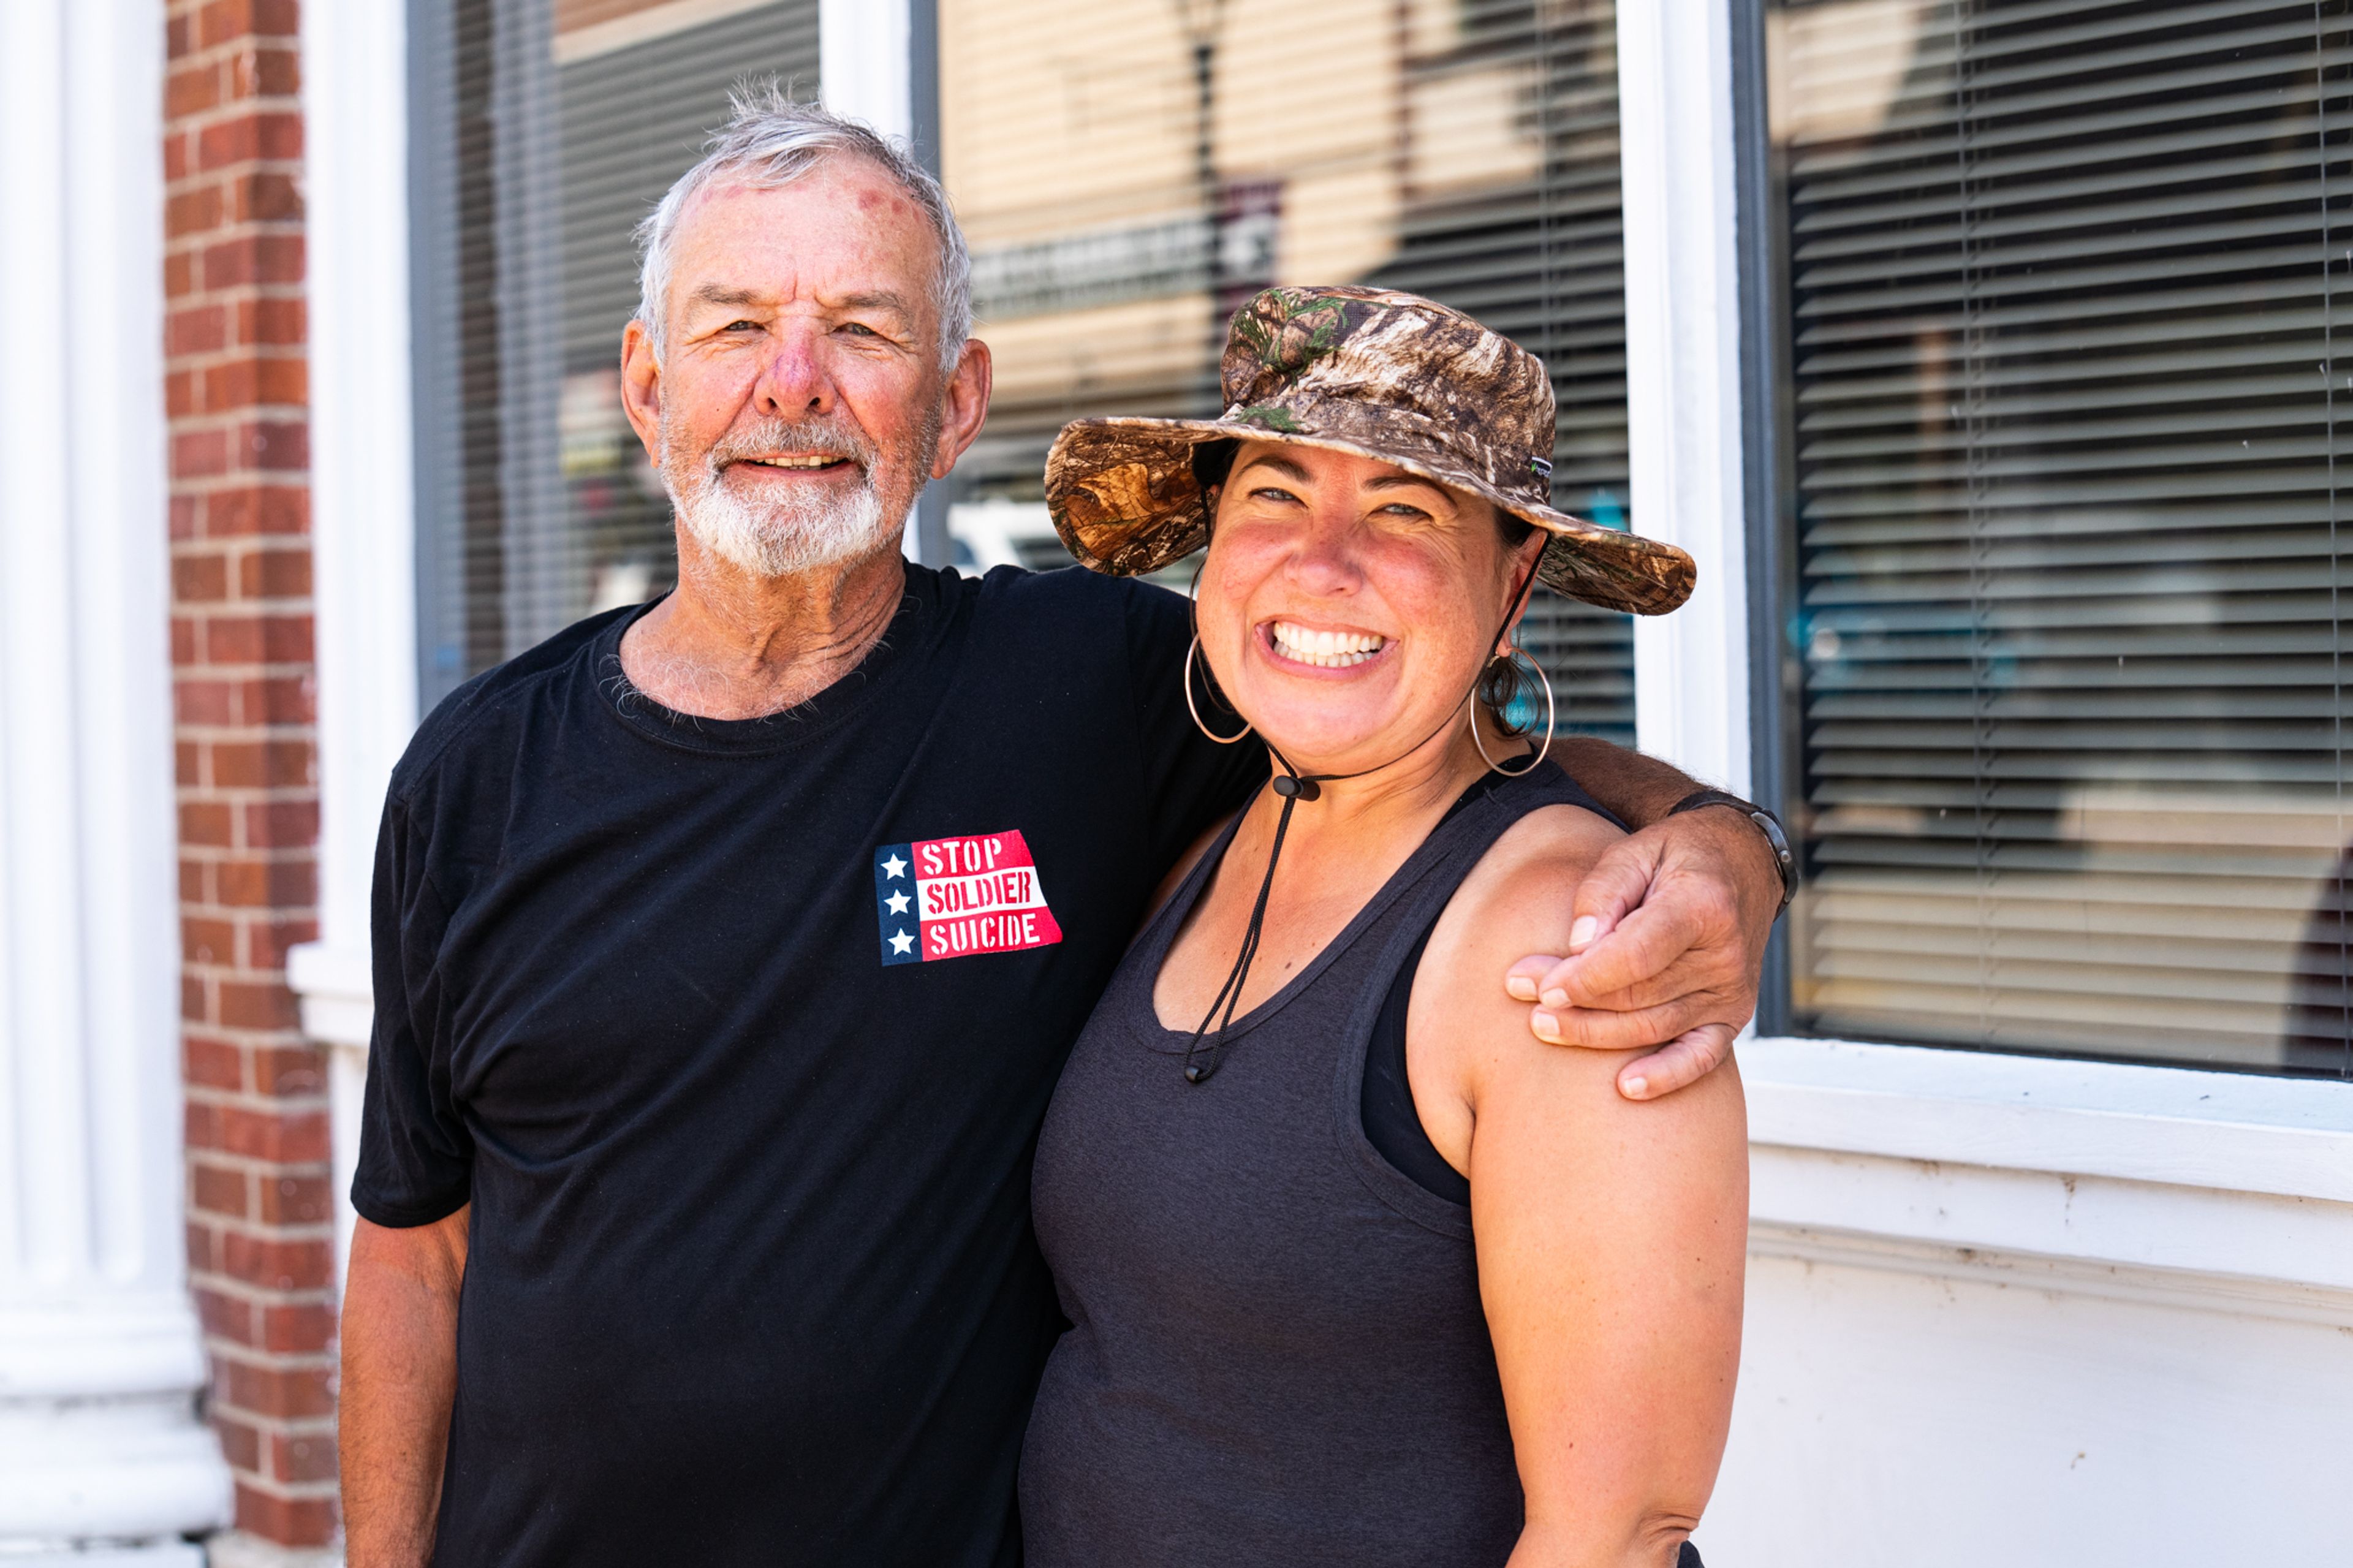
{"type": "Point", "coordinates": [543, 131]}
{"type": "Point", "coordinates": [1126, 182]}
{"type": "Point", "coordinates": [2058, 420]}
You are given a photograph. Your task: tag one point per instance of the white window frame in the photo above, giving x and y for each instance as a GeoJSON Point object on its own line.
{"type": "Point", "coordinates": [2092, 1177]}
{"type": "Point", "coordinates": [2143, 1180]}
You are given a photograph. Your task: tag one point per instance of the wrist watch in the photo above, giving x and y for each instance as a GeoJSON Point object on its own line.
{"type": "Point", "coordinates": [1766, 824]}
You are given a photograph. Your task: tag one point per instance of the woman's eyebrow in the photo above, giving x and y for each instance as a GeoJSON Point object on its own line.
{"type": "Point", "coordinates": [1399, 482]}
{"type": "Point", "coordinates": [1289, 468]}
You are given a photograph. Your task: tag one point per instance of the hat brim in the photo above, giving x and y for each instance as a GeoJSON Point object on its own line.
{"type": "Point", "coordinates": [1126, 501]}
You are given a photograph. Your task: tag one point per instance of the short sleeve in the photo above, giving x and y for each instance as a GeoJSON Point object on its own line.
{"type": "Point", "coordinates": [1192, 779]}
{"type": "Point", "coordinates": [415, 1156]}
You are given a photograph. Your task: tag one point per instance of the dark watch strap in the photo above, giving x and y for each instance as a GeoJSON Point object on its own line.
{"type": "Point", "coordinates": [1766, 823]}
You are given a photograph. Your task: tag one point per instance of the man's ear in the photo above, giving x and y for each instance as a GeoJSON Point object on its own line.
{"type": "Point", "coordinates": [641, 387]}
{"type": "Point", "coordinates": [964, 406]}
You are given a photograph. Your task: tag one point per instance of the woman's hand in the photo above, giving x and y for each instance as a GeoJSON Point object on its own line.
{"type": "Point", "coordinates": [1665, 945]}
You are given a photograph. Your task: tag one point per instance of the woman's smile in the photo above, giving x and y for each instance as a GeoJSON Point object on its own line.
{"type": "Point", "coordinates": [1296, 645]}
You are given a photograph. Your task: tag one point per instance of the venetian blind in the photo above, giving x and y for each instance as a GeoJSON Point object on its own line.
{"type": "Point", "coordinates": [2061, 416]}
{"type": "Point", "coordinates": [544, 130]}
{"type": "Point", "coordinates": [1126, 183]}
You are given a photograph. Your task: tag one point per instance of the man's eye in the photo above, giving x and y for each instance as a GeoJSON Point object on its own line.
{"type": "Point", "coordinates": [860, 327]}
{"type": "Point", "coordinates": [741, 326]}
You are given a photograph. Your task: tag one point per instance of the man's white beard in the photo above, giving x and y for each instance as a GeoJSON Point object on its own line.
{"type": "Point", "coordinates": [780, 538]}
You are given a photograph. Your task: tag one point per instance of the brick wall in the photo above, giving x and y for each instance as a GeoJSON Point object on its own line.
{"type": "Point", "coordinates": [260, 1240]}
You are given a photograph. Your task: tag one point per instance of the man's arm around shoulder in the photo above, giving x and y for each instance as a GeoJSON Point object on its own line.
{"type": "Point", "coordinates": [399, 1380]}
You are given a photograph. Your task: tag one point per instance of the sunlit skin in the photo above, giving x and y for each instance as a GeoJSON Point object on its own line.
{"type": "Point", "coordinates": [1611, 1233]}
{"type": "Point", "coordinates": [812, 302]}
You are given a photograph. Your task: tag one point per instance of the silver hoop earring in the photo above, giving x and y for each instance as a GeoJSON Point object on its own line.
{"type": "Point", "coordinates": [1534, 762]}
{"type": "Point", "coordinates": [1190, 650]}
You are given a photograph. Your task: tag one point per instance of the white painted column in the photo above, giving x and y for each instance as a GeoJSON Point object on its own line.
{"type": "Point", "coordinates": [863, 65]}
{"type": "Point", "coordinates": [1682, 376]}
{"type": "Point", "coordinates": [363, 511]}
{"type": "Point", "coordinates": [101, 1449]}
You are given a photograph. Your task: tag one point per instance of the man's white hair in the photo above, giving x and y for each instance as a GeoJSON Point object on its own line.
{"type": "Point", "coordinates": [769, 141]}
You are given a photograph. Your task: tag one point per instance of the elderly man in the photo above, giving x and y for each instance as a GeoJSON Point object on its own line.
{"type": "Point", "coordinates": [727, 949]}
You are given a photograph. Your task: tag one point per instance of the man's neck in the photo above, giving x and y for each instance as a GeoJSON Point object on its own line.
{"type": "Point", "coordinates": [729, 644]}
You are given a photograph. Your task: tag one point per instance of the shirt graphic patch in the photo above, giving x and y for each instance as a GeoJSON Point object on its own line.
{"type": "Point", "coordinates": [945, 898]}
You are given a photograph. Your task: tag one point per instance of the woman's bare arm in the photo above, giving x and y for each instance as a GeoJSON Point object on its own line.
{"type": "Point", "coordinates": [1611, 1233]}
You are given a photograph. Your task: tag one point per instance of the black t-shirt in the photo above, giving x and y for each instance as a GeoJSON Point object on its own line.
{"type": "Point", "coordinates": [737, 1035]}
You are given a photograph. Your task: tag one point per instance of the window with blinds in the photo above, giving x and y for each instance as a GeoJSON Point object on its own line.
{"type": "Point", "coordinates": [1127, 179]}
{"type": "Point", "coordinates": [2063, 565]}
{"type": "Point", "coordinates": [543, 131]}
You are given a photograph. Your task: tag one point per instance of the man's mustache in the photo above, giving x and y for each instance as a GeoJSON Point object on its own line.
{"type": "Point", "coordinates": [801, 438]}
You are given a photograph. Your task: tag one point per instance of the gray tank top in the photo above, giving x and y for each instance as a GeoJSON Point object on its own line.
{"type": "Point", "coordinates": [1277, 1354]}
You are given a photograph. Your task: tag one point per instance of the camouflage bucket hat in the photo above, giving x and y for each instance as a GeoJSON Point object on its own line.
{"type": "Point", "coordinates": [1383, 375]}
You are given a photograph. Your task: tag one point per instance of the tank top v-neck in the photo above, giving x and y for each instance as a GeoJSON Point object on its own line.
{"type": "Point", "coordinates": [1277, 1352]}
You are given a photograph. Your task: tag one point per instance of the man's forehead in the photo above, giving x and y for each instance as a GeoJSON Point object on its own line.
{"type": "Point", "coordinates": [844, 232]}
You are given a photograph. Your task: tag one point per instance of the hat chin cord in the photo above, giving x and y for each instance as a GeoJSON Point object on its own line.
{"type": "Point", "coordinates": [1205, 1052]}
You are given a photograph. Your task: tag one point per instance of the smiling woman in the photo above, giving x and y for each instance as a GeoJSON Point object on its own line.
{"type": "Point", "coordinates": [1354, 1216]}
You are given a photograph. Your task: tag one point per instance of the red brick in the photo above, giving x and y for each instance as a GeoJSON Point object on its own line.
{"type": "Point", "coordinates": [293, 1329]}
{"type": "Point", "coordinates": [207, 939]}
{"type": "Point", "coordinates": [183, 525]}
{"type": "Point", "coordinates": [275, 445]}
{"type": "Point", "coordinates": [209, 823]}
{"type": "Point", "coordinates": [265, 195]}
{"type": "Point", "coordinates": [288, 1070]}
{"type": "Point", "coordinates": [199, 578]}
{"type": "Point", "coordinates": [241, 139]}
{"type": "Point", "coordinates": [264, 639]}
{"type": "Point", "coordinates": [226, 1316]}
{"type": "Point", "coordinates": [270, 321]}
{"type": "Point", "coordinates": [278, 1264]}
{"type": "Point", "coordinates": [198, 454]}
{"type": "Point", "coordinates": [296, 1200]}
{"type": "Point", "coordinates": [282, 824]}
{"type": "Point", "coordinates": [203, 1244]}
{"type": "Point", "coordinates": [184, 651]}
{"type": "Point", "coordinates": [191, 1000]}
{"type": "Point", "coordinates": [266, 945]}
{"type": "Point", "coordinates": [253, 258]}
{"type": "Point", "coordinates": [193, 212]}
{"type": "Point", "coordinates": [278, 700]}
{"type": "Point", "coordinates": [286, 1137]}
{"type": "Point", "coordinates": [179, 402]}
{"type": "Point", "coordinates": [179, 36]}
{"type": "Point", "coordinates": [240, 1443]}
{"type": "Point", "coordinates": [194, 875]}
{"type": "Point", "coordinates": [198, 330]}
{"type": "Point", "coordinates": [227, 21]}
{"type": "Point", "coordinates": [289, 1521]}
{"type": "Point", "coordinates": [255, 382]}
{"type": "Point", "coordinates": [214, 1064]}
{"type": "Point", "coordinates": [218, 1190]}
{"type": "Point", "coordinates": [262, 509]}
{"type": "Point", "coordinates": [203, 701]}
{"type": "Point", "coordinates": [192, 89]}
{"type": "Point", "coordinates": [267, 73]}
{"type": "Point", "coordinates": [179, 274]}
{"type": "Point", "coordinates": [254, 1005]}
{"type": "Point", "coordinates": [274, 574]}
{"type": "Point", "coordinates": [262, 765]}
{"type": "Point", "coordinates": [268, 884]}
{"type": "Point", "coordinates": [282, 1393]}
{"type": "Point", "coordinates": [296, 1136]}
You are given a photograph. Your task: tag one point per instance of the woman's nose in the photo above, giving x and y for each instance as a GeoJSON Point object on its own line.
{"type": "Point", "coordinates": [1324, 562]}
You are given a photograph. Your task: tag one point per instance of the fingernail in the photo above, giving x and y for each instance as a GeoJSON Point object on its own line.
{"type": "Point", "coordinates": [1582, 931]}
{"type": "Point", "coordinates": [1520, 988]}
{"type": "Point", "coordinates": [1636, 1088]}
{"type": "Point", "coordinates": [1556, 997]}
{"type": "Point", "coordinates": [1546, 1027]}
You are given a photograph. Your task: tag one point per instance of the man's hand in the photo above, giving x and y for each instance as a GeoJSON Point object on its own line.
{"type": "Point", "coordinates": [1665, 949]}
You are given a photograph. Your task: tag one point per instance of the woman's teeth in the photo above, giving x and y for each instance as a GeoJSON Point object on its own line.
{"type": "Point", "coordinates": [1325, 650]}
